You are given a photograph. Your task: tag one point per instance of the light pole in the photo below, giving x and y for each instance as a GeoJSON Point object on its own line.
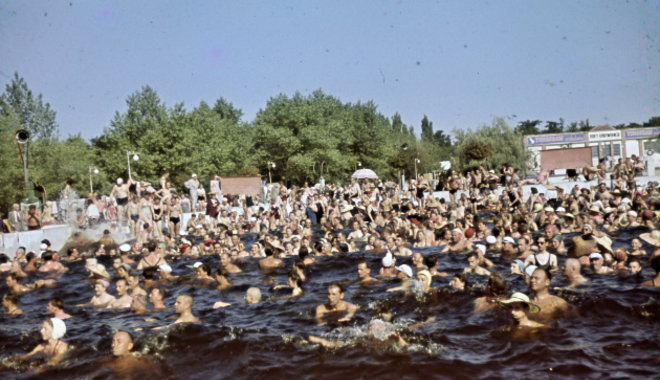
{"type": "Point", "coordinates": [91, 185]}
{"type": "Point", "coordinates": [358, 165]}
{"type": "Point", "coordinates": [417, 161]}
{"type": "Point", "coordinates": [270, 164]}
{"type": "Point", "coordinates": [322, 180]}
{"type": "Point", "coordinates": [128, 160]}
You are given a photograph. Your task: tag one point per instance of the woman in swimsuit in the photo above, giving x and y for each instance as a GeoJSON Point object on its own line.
{"type": "Point", "coordinates": [133, 214]}
{"type": "Point", "coordinates": [52, 331]}
{"type": "Point", "coordinates": [174, 211]}
{"type": "Point", "coordinates": [157, 212]}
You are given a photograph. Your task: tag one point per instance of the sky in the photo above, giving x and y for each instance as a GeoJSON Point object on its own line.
{"type": "Point", "coordinates": [461, 63]}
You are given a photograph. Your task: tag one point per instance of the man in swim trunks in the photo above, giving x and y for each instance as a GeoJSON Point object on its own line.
{"type": "Point", "coordinates": [335, 305]}
{"type": "Point", "coordinates": [120, 192]}
{"type": "Point", "coordinates": [551, 306]}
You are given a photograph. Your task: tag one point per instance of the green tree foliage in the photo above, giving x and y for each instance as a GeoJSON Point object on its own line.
{"type": "Point", "coordinates": [205, 141]}
{"type": "Point", "coordinates": [427, 129]}
{"type": "Point", "coordinates": [31, 112]}
{"type": "Point", "coordinates": [528, 127]}
{"type": "Point", "coordinates": [553, 127]}
{"type": "Point", "coordinates": [490, 146]}
{"type": "Point", "coordinates": [300, 133]}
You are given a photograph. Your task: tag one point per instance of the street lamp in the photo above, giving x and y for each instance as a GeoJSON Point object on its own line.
{"type": "Point", "coordinates": [270, 164]}
{"type": "Point", "coordinates": [128, 159]}
{"type": "Point", "coordinates": [417, 161]}
{"type": "Point", "coordinates": [91, 185]}
{"type": "Point", "coordinates": [358, 165]}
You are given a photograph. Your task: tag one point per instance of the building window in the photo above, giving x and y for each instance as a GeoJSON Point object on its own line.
{"type": "Point", "coordinates": [594, 151]}
{"type": "Point", "coordinates": [617, 150]}
{"type": "Point", "coordinates": [652, 145]}
{"type": "Point", "coordinates": [606, 150]}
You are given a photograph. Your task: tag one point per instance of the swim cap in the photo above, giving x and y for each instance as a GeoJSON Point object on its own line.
{"type": "Point", "coordinates": [59, 328]}
{"type": "Point", "coordinates": [388, 261]}
{"type": "Point", "coordinates": [530, 270]}
{"type": "Point", "coordinates": [427, 276]}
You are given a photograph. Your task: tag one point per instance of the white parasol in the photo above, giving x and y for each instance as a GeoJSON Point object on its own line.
{"type": "Point", "coordinates": [364, 174]}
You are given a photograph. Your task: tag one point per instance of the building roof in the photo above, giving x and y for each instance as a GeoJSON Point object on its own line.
{"type": "Point", "coordinates": [604, 127]}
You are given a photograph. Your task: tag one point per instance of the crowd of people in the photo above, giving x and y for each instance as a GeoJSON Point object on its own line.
{"type": "Point", "coordinates": [485, 216]}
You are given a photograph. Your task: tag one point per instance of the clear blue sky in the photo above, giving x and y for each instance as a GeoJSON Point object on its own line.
{"type": "Point", "coordinates": [459, 62]}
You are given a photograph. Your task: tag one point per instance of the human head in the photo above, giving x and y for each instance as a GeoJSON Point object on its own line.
{"type": "Point", "coordinates": [459, 281]}
{"type": "Point", "coordinates": [252, 295]}
{"type": "Point", "coordinates": [496, 285]}
{"type": "Point", "coordinates": [335, 294]}
{"type": "Point", "coordinates": [363, 269]}
{"type": "Point", "coordinates": [56, 304]}
{"type": "Point", "coordinates": [473, 259]}
{"type": "Point", "coordinates": [122, 343]}
{"type": "Point", "coordinates": [571, 268]}
{"type": "Point", "coordinates": [635, 266]}
{"type": "Point", "coordinates": [596, 260]}
{"type": "Point", "coordinates": [183, 303]}
{"type": "Point", "coordinates": [53, 328]}
{"type": "Point", "coordinates": [540, 280]}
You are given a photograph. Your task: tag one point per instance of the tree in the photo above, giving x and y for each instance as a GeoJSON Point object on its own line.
{"type": "Point", "coordinates": [528, 127]}
{"type": "Point", "coordinates": [440, 139]}
{"type": "Point", "coordinates": [31, 112]}
{"type": "Point", "coordinates": [490, 146]}
{"type": "Point", "coordinates": [427, 130]}
{"type": "Point", "coordinates": [553, 127]}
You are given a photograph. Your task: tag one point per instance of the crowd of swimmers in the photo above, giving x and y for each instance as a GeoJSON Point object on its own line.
{"type": "Point", "coordinates": [407, 230]}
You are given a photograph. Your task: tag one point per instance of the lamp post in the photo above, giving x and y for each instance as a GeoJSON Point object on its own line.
{"type": "Point", "coordinates": [270, 164]}
{"type": "Point", "coordinates": [128, 160]}
{"type": "Point", "coordinates": [417, 161]}
{"type": "Point", "coordinates": [358, 165]}
{"type": "Point", "coordinates": [91, 185]}
{"type": "Point", "coordinates": [322, 180]}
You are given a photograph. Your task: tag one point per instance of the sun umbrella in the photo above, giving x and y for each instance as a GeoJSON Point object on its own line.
{"type": "Point", "coordinates": [364, 174]}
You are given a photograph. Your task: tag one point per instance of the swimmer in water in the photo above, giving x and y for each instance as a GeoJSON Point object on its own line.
{"type": "Point", "coordinates": [124, 363]}
{"type": "Point", "coordinates": [655, 282]}
{"type": "Point", "coordinates": [336, 304]}
{"type": "Point", "coordinates": [183, 306]}
{"type": "Point", "coordinates": [519, 307]}
{"type": "Point", "coordinates": [572, 273]}
{"type": "Point", "coordinates": [102, 299]}
{"type": "Point", "coordinates": [56, 307]}
{"type": "Point", "coordinates": [364, 274]}
{"type": "Point", "coordinates": [10, 302]}
{"type": "Point", "coordinates": [378, 331]}
{"type": "Point", "coordinates": [551, 306]}
{"type": "Point", "coordinates": [52, 332]}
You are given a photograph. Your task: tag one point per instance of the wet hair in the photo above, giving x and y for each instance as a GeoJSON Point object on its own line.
{"type": "Point", "coordinates": [151, 245]}
{"type": "Point", "coordinates": [655, 263]}
{"type": "Point", "coordinates": [303, 252]}
{"type": "Point", "coordinates": [318, 245]}
{"type": "Point", "coordinates": [462, 277]}
{"type": "Point", "coordinates": [205, 268]}
{"type": "Point", "coordinates": [473, 254]}
{"type": "Point", "coordinates": [343, 247]}
{"type": "Point", "coordinates": [547, 273]}
{"type": "Point", "coordinates": [221, 271]}
{"type": "Point", "coordinates": [31, 255]}
{"type": "Point", "coordinates": [47, 256]}
{"type": "Point", "coordinates": [431, 261]}
{"type": "Point", "coordinates": [150, 273]}
{"type": "Point", "coordinates": [160, 290]}
{"type": "Point", "coordinates": [57, 302]}
{"type": "Point", "coordinates": [295, 277]}
{"type": "Point", "coordinates": [336, 285]}
{"type": "Point", "coordinates": [4, 258]}
{"type": "Point", "coordinates": [496, 285]}
{"type": "Point", "coordinates": [268, 251]}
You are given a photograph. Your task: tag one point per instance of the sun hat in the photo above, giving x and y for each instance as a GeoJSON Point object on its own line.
{"type": "Point", "coordinates": [196, 265]}
{"type": "Point", "coordinates": [275, 244]}
{"type": "Point", "coordinates": [59, 328]}
{"type": "Point", "coordinates": [491, 240]}
{"type": "Point", "coordinates": [605, 242]}
{"type": "Point", "coordinates": [99, 270]}
{"type": "Point", "coordinates": [537, 207]}
{"type": "Point", "coordinates": [561, 209]}
{"type": "Point", "coordinates": [653, 238]}
{"type": "Point", "coordinates": [521, 298]}
{"type": "Point", "coordinates": [405, 268]}
{"type": "Point", "coordinates": [125, 248]}
{"type": "Point", "coordinates": [548, 209]}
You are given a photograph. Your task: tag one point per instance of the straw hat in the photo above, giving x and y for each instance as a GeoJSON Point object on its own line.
{"type": "Point", "coordinates": [275, 244]}
{"type": "Point", "coordinates": [521, 298]}
{"type": "Point", "coordinates": [99, 270]}
{"type": "Point", "coordinates": [653, 238]}
{"type": "Point", "coordinates": [605, 242]}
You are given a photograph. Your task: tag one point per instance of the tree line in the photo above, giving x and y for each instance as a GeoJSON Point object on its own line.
{"type": "Point", "coordinates": [300, 138]}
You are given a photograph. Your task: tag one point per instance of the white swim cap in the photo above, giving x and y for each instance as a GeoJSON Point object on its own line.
{"type": "Point", "coordinates": [59, 328]}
